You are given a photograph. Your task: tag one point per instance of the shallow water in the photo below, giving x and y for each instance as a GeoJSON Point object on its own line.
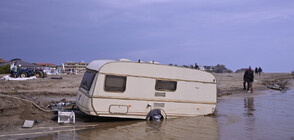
{"type": "Point", "coordinates": [267, 116]}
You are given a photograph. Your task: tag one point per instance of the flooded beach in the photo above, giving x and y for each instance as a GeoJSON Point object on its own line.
{"type": "Point", "coordinates": [267, 116]}
{"type": "Point", "coordinates": [146, 69]}
{"type": "Point", "coordinates": [264, 116]}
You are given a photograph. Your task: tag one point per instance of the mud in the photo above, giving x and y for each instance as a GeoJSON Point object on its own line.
{"type": "Point", "coordinates": [13, 112]}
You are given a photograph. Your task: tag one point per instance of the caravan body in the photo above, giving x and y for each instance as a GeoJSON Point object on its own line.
{"type": "Point", "coordinates": [128, 89]}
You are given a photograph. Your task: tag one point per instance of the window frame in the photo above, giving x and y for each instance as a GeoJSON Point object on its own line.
{"type": "Point", "coordinates": [87, 89]}
{"type": "Point", "coordinates": [115, 91]}
{"type": "Point", "coordinates": [165, 80]}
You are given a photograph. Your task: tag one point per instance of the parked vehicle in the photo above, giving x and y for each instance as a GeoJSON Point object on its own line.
{"type": "Point", "coordinates": [28, 72]}
{"type": "Point", "coordinates": [128, 89]}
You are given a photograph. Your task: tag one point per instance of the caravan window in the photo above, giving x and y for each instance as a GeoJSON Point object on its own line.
{"type": "Point", "coordinates": [162, 85]}
{"type": "Point", "coordinates": [115, 83]}
{"type": "Point", "coordinates": [88, 80]}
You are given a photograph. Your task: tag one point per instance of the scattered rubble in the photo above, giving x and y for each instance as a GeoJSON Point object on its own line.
{"type": "Point", "coordinates": [278, 85]}
{"type": "Point", "coordinates": [66, 117]}
{"type": "Point", "coordinates": [28, 123]}
{"type": "Point", "coordinates": [61, 105]}
{"type": "Point", "coordinates": [275, 87]}
{"type": "Point", "coordinates": [60, 78]}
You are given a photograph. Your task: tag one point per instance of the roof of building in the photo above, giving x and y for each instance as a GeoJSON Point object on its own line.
{"type": "Point", "coordinates": [70, 62]}
{"type": "Point", "coordinates": [2, 60]}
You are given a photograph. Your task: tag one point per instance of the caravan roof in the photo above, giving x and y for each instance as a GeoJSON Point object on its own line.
{"type": "Point", "coordinates": [150, 70]}
{"type": "Point", "coordinates": [97, 64]}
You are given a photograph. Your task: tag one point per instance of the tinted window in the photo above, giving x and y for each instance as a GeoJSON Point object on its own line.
{"type": "Point", "coordinates": [166, 85]}
{"type": "Point", "coordinates": [88, 80]}
{"type": "Point", "coordinates": [115, 83]}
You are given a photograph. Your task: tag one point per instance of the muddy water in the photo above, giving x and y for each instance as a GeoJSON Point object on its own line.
{"type": "Point", "coordinates": [267, 116]}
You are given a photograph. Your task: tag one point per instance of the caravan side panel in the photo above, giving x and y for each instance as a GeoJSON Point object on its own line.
{"type": "Point", "coordinates": [195, 93]}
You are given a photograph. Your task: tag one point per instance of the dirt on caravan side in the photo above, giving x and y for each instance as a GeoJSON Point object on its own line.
{"type": "Point", "coordinates": [13, 112]}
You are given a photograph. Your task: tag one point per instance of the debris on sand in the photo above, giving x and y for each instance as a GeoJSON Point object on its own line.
{"type": "Point", "coordinates": [58, 78]}
{"type": "Point", "coordinates": [278, 85]}
{"type": "Point", "coordinates": [66, 117]}
{"type": "Point", "coordinates": [275, 87]}
{"type": "Point", "coordinates": [8, 78]}
{"type": "Point", "coordinates": [61, 105]}
{"type": "Point", "coordinates": [28, 124]}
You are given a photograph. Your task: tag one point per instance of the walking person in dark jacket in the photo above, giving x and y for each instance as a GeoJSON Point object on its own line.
{"type": "Point", "coordinates": [259, 70]}
{"type": "Point", "coordinates": [246, 80]}
{"type": "Point", "coordinates": [196, 66]}
{"type": "Point", "coordinates": [256, 70]}
{"type": "Point", "coordinates": [251, 79]}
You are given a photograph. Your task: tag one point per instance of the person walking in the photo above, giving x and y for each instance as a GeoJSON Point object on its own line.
{"type": "Point", "coordinates": [14, 70]}
{"type": "Point", "coordinates": [246, 80]}
{"type": "Point", "coordinates": [259, 70]}
{"type": "Point", "coordinates": [256, 70]}
{"type": "Point", "coordinates": [251, 79]}
{"type": "Point", "coordinates": [11, 69]}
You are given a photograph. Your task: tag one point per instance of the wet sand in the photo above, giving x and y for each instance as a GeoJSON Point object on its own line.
{"type": "Point", "coordinates": [232, 83]}
{"type": "Point", "coordinates": [13, 112]}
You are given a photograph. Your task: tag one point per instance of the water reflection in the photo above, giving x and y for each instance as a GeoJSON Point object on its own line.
{"type": "Point", "coordinates": [250, 119]}
{"type": "Point", "coordinates": [197, 128]}
{"type": "Point", "coordinates": [267, 116]}
{"type": "Point", "coordinates": [179, 128]}
{"type": "Point", "coordinates": [154, 126]}
{"type": "Point", "coordinates": [249, 106]}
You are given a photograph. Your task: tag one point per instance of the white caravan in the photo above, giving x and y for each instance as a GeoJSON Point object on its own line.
{"type": "Point", "coordinates": [126, 89]}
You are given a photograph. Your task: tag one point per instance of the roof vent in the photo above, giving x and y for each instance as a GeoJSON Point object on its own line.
{"type": "Point", "coordinates": [125, 60]}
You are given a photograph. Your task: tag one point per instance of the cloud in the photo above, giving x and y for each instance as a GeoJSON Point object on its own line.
{"type": "Point", "coordinates": [168, 31]}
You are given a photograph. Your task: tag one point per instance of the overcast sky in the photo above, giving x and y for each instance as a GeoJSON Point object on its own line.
{"type": "Point", "coordinates": [236, 33]}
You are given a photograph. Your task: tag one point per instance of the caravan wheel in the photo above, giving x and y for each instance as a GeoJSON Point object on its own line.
{"type": "Point", "coordinates": [156, 115]}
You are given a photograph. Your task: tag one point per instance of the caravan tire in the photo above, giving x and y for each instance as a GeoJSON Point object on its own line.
{"type": "Point", "coordinates": [155, 115]}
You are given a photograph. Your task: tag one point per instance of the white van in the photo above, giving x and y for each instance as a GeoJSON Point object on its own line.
{"type": "Point", "coordinates": [128, 89]}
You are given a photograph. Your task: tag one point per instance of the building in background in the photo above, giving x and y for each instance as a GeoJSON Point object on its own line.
{"type": "Point", "coordinates": [75, 68]}
{"type": "Point", "coordinates": [2, 61]}
{"type": "Point", "coordinates": [45, 65]}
